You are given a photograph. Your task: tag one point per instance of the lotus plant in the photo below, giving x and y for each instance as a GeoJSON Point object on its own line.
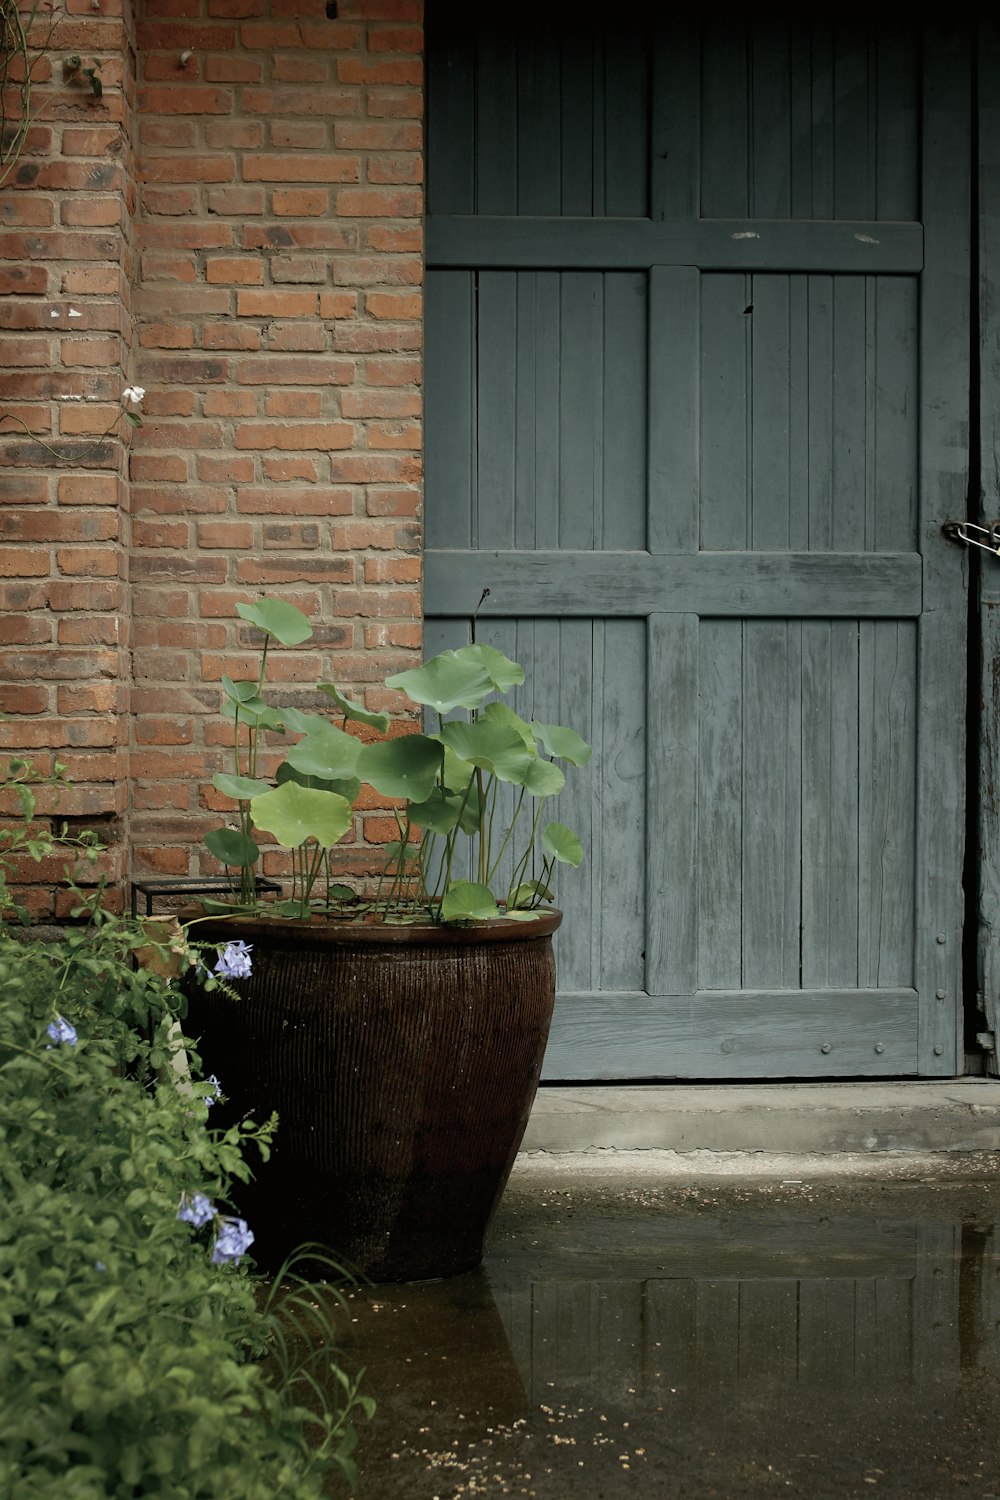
{"type": "Point", "coordinates": [464, 851]}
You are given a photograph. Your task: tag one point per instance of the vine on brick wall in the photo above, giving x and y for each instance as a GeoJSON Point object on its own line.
{"type": "Point", "coordinates": [26, 39]}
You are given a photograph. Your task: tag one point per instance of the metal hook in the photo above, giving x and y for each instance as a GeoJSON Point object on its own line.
{"type": "Point", "coordinates": [986, 537]}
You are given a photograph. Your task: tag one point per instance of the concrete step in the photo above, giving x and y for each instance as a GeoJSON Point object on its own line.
{"type": "Point", "coordinates": [798, 1118]}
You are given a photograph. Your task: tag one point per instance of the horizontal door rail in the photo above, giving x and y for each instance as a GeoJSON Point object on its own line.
{"type": "Point", "coordinates": [519, 242]}
{"type": "Point", "coordinates": [848, 585]}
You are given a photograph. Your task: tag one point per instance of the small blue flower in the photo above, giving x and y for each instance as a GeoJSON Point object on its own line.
{"type": "Point", "coordinates": [99, 1265]}
{"type": "Point", "coordinates": [196, 1210]}
{"type": "Point", "coordinates": [232, 1241]}
{"type": "Point", "coordinates": [234, 960]}
{"type": "Point", "coordinates": [216, 1090]}
{"type": "Point", "coordinates": [61, 1032]}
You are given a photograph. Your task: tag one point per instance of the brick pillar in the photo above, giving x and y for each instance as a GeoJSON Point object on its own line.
{"type": "Point", "coordinates": [66, 264]}
{"type": "Point", "coordinates": [280, 329]}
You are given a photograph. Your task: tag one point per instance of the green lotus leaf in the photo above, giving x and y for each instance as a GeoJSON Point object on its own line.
{"type": "Point", "coordinates": [295, 814]}
{"type": "Point", "coordinates": [231, 847]}
{"type": "Point", "coordinates": [240, 692]}
{"type": "Point", "coordinates": [254, 712]}
{"type": "Point", "coordinates": [465, 901]}
{"type": "Point", "coordinates": [564, 744]}
{"type": "Point", "coordinates": [407, 766]}
{"type": "Point", "coordinates": [298, 722]}
{"type": "Point", "coordinates": [490, 746]}
{"type": "Point", "coordinates": [325, 751]}
{"type": "Point", "coordinates": [562, 843]}
{"type": "Point", "coordinates": [439, 812]}
{"type": "Point", "coordinates": [286, 623]}
{"type": "Point", "coordinates": [446, 682]}
{"type": "Point", "coordinates": [503, 673]}
{"type": "Point", "coordinates": [530, 891]}
{"type": "Point", "coordinates": [457, 773]}
{"type": "Point", "coordinates": [241, 788]}
{"type": "Point", "coordinates": [348, 786]}
{"type": "Point", "coordinates": [544, 779]}
{"type": "Point", "coordinates": [502, 713]}
{"type": "Point", "coordinates": [352, 710]}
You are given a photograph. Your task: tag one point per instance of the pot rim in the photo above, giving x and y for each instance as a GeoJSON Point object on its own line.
{"type": "Point", "coordinates": [320, 931]}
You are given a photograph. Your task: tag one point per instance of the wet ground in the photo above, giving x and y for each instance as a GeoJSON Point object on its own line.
{"type": "Point", "coordinates": [730, 1327]}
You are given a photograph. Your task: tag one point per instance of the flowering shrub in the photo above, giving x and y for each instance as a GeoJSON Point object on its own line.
{"type": "Point", "coordinates": [138, 1355]}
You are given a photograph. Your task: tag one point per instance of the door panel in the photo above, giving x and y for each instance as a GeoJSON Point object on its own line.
{"type": "Point", "coordinates": [701, 459]}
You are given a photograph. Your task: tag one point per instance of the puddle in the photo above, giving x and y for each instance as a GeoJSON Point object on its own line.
{"type": "Point", "coordinates": [684, 1340]}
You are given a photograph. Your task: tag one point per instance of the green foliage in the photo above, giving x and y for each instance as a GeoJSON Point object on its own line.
{"type": "Point", "coordinates": [130, 1364]}
{"type": "Point", "coordinates": [21, 781]}
{"type": "Point", "coordinates": [448, 783]}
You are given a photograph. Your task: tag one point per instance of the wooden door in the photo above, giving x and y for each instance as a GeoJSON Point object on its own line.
{"type": "Point", "coordinates": [697, 407]}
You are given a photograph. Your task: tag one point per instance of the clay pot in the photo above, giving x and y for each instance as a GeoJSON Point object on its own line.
{"type": "Point", "coordinates": [402, 1062]}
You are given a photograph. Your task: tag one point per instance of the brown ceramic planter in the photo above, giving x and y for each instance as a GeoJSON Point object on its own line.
{"type": "Point", "coordinates": [402, 1063]}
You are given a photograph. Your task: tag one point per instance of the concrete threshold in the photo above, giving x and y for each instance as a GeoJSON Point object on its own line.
{"type": "Point", "coordinates": [959, 1114]}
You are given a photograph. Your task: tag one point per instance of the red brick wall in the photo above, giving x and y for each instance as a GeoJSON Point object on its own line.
{"type": "Point", "coordinates": [277, 316]}
{"type": "Point", "coordinates": [66, 267]}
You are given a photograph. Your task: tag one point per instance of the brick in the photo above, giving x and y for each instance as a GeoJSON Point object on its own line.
{"type": "Point", "coordinates": [187, 168]}
{"type": "Point", "coordinates": [311, 167]}
{"type": "Point", "coordinates": [281, 470]}
{"type": "Point", "coordinates": [166, 336]}
{"type": "Point", "coordinates": [24, 280]}
{"type": "Point", "coordinates": [285, 371]}
{"type": "Point", "coordinates": [234, 270]}
{"type": "Point", "coordinates": [185, 100]}
{"type": "Point", "coordinates": [322, 500]}
{"type": "Point", "coordinates": [338, 304]}
{"type": "Point", "coordinates": [300, 203]}
{"type": "Point", "coordinates": [90, 630]}
{"type": "Point", "coordinates": [297, 536]}
{"type": "Point", "coordinates": [291, 403]}
{"type": "Point", "coordinates": [235, 535]}
{"type": "Point", "coordinates": [306, 135]}
{"type": "Point", "coordinates": [296, 337]}
{"type": "Point", "coordinates": [89, 489]}
{"type": "Point", "coordinates": [379, 202]}
{"type": "Point", "coordinates": [393, 569]}
{"type": "Point", "coordinates": [238, 201]}
{"type": "Point", "coordinates": [323, 435]}
{"type": "Point", "coordinates": [231, 404]}
{"type": "Point", "coordinates": [275, 304]}
{"type": "Point", "coordinates": [89, 562]}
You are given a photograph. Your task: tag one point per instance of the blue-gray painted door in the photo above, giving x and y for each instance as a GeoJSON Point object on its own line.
{"type": "Point", "coordinates": [697, 407]}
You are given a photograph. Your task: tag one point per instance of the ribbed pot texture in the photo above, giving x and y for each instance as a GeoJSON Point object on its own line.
{"type": "Point", "coordinates": [402, 1063]}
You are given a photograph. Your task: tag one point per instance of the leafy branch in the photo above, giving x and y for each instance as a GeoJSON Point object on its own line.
{"type": "Point", "coordinates": [21, 57]}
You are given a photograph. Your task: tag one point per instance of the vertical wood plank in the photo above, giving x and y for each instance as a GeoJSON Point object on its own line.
{"type": "Point", "coordinates": [450, 408]}
{"type": "Point", "coordinates": [451, 134]}
{"type": "Point", "coordinates": [674, 423]}
{"type": "Point", "coordinates": [770, 795]}
{"type": "Point", "coordinates": [496, 123]}
{"type": "Point", "coordinates": [577, 122]}
{"type": "Point", "coordinates": [675, 166]}
{"type": "Point", "coordinates": [672, 786]}
{"type": "Point", "coordinates": [989, 510]}
{"type": "Point", "coordinates": [626, 123]}
{"type": "Point", "coordinates": [769, 406]}
{"type": "Point", "coordinates": [581, 415]}
{"type": "Point", "coordinates": [723, 383]}
{"type": "Point", "coordinates": [720, 804]}
{"type": "Point", "coordinates": [539, 147]}
{"type": "Point", "coordinates": [944, 470]}
{"type": "Point", "coordinates": [725, 126]}
{"type": "Point", "coordinates": [770, 162]}
{"type": "Point", "coordinates": [497, 364]}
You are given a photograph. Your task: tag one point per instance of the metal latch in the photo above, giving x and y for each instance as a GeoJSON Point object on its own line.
{"type": "Point", "coordinates": [970, 535]}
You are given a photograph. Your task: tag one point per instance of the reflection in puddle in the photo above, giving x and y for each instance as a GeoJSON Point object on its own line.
{"type": "Point", "coordinates": [829, 1356]}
